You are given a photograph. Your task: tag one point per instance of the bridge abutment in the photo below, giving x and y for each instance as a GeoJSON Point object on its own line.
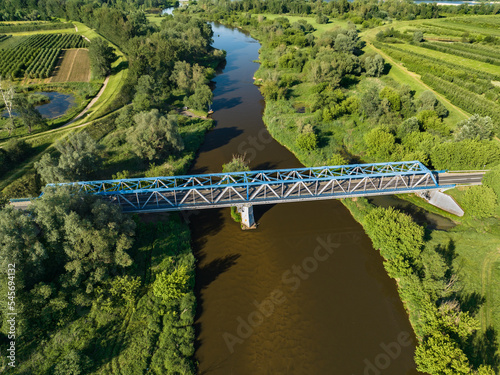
{"type": "Point", "coordinates": [247, 219]}
{"type": "Point", "coordinates": [443, 201]}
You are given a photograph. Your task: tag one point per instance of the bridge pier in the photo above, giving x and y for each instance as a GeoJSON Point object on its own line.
{"type": "Point", "coordinates": [247, 219]}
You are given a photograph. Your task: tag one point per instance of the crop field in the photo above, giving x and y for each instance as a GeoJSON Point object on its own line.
{"type": "Point", "coordinates": [460, 59]}
{"type": "Point", "coordinates": [36, 56]}
{"type": "Point", "coordinates": [74, 67]}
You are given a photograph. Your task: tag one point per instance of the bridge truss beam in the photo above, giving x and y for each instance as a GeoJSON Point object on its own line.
{"type": "Point", "coordinates": [240, 189]}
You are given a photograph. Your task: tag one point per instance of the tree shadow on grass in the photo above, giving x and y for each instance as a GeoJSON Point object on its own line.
{"type": "Point", "coordinates": [482, 348]}
{"type": "Point", "coordinates": [121, 66]}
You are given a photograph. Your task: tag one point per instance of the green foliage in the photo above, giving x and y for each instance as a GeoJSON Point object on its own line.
{"type": "Point", "coordinates": [337, 159]}
{"type": "Point", "coordinates": [235, 215]}
{"type": "Point", "coordinates": [480, 201]}
{"type": "Point", "coordinates": [4, 201]}
{"type": "Point", "coordinates": [89, 236]}
{"type": "Point", "coordinates": [379, 143]}
{"type": "Point", "coordinates": [307, 141]}
{"type": "Point", "coordinates": [408, 126]}
{"type": "Point", "coordinates": [374, 65]}
{"type": "Point", "coordinates": [475, 127]}
{"type": "Point", "coordinates": [79, 159]}
{"type": "Point", "coordinates": [396, 235]}
{"type": "Point", "coordinates": [155, 136]}
{"type": "Point", "coordinates": [467, 154]}
{"type": "Point", "coordinates": [145, 95]}
{"type": "Point", "coordinates": [26, 186]}
{"type": "Point", "coordinates": [29, 116]}
{"type": "Point", "coordinates": [237, 164]}
{"type": "Point", "coordinates": [120, 291]}
{"type": "Point", "coordinates": [393, 98]}
{"type": "Point", "coordinates": [19, 244]}
{"type": "Point", "coordinates": [73, 363]}
{"type": "Point", "coordinates": [418, 36]}
{"type": "Point", "coordinates": [201, 98]}
{"type": "Point", "coordinates": [171, 287]}
{"type": "Point", "coordinates": [492, 180]}
{"type": "Point", "coordinates": [101, 56]}
{"type": "Point", "coordinates": [439, 355]}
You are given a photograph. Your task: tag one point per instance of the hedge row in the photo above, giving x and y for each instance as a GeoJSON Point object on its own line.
{"type": "Point", "coordinates": [55, 41]}
{"type": "Point", "coordinates": [471, 102]}
{"type": "Point", "coordinates": [468, 55]}
{"type": "Point", "coordinates": [14, 28]}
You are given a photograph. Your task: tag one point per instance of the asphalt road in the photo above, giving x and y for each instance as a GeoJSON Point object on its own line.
{"type": "Point", "coordinates": [460, 178]}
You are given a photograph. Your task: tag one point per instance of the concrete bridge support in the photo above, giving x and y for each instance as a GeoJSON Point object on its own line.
{"type": "Point", "coordinates": [247, 219]}
{"type": "Point", "coordinates": [442, 201]}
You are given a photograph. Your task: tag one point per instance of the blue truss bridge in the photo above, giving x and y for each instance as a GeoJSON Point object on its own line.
{"type": "Point", "coordinates": [246, 189]}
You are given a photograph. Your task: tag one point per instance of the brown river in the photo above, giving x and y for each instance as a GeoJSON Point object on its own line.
{"type": "Point", "coordinates": [304, 293]}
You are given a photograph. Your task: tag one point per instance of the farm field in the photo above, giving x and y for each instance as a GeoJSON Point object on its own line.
{"type": "Point", "coordinates": [464, 70]}
{"type": "Point", "coordinates": [36, 56]}
{"type": "Point", "coordinates": [74, 66]}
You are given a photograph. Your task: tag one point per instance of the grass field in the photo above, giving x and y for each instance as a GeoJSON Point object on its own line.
{"type": "Point", "coordinates": [74, 67]}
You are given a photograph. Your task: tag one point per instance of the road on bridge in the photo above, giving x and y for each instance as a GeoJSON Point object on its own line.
{"type": "Point", "coordinates": [465, 178]}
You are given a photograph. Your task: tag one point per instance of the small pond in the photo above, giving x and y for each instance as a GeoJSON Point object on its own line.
{"type": "Point", "coordinates": [57, 106]}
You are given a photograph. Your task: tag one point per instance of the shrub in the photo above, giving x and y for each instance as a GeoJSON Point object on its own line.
{"type": "Point", "coordinates": [307, 141]}
{"type": "Point", "coordinates": [480, 201]}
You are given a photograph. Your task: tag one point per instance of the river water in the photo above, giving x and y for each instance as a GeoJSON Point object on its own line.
{"type": "Point", "coordinates": [304, 293]}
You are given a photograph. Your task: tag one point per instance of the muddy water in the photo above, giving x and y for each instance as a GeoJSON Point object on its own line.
{"type": "Point", "coordinates": [305, 293]}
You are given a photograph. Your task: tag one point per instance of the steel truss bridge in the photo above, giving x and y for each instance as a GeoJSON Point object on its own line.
{"type": "Point", "coordinates": [245, 189]}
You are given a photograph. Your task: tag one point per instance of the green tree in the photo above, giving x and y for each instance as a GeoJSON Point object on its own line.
{"type": "Point", "coordinates": [408, 126]}
{"type": "Point", "coordinates": [439, 355]}
{"type": "Point", "coordinates": [79, 159]}
{"type": "Point", "coordinates": [89, 237]}
{"type": "Point", "coordinates": [307, 140]}
{"type": "Point", "coordinates": [418, 36]}
{"type": "Point", "coordinates": [4, 201]}
{"type": "Point", "coordinates": [237, 164]}
{"type": "Point", "coordinates": [73, 363]}
{"type": "Point", "coordinates": [154, 136]}
{"type": "Point", "coordinates": [374, 65]}
{"type": "Point", "coordinates": [379, 144]}
{"type": "Point", "coordinates": [145, 94]}
{"type": "Point", "coordinates": [201, 98]}
{"type": "Point", "coordinates": [19, 244]}
{"type": "Point", "coordinates": [492, 180]}
{"type": "Point", "coordinates": [101, 56]}
{"type": "Point", "coordinates": [397, 236]}
{"type": "Point", "coordinates": [17, 150]}
{"type": "Point", "coordinates": [480, 201]}
{"type": "Point", "coordinates": [337, 159]}
{"type": "Point", "coordinates": [171, 287]}
{"type": "Point", "coordinates": [29, 115]}
{"type": "Point", "coordinates": [475, 127]}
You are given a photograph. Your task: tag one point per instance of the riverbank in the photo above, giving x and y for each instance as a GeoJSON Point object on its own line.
{"type": "Point", "coordinates": [431, 293]}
